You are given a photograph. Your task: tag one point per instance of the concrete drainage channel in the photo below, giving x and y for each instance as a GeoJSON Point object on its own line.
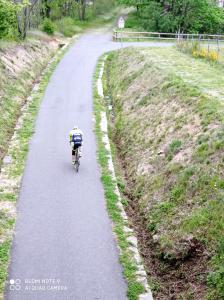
{"type": "Point", "coordinates": [140, 273]}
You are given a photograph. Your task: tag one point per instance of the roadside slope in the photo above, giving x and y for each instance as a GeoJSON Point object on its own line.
{"type": "Point", "coordinates": [168, 130]}
{"type": "Point", "coordinates": [20, 66]}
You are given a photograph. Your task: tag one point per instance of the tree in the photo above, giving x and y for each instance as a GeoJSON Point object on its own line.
{"type": "Point", "coordinates": [23, 10]}
{"type": "Point", "coordinates": [81, 9]}
{"type": "Point", "coordinates": [46, 8]}
{"type": "Point", "coordinates": [17, 16]}
{"type": "Point", "coordinates": [136, 3]}
{"type": "Point", "coordinates": [201, 16]}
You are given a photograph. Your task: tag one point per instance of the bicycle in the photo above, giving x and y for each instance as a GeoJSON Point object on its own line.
{"type": "Point", "coordinates": [76, 162]}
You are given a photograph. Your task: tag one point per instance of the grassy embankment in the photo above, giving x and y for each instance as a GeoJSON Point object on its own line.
{"type": "Point", "coordinates": [20, 67]}
{"type": "Point", "coordinates": [168, 127]}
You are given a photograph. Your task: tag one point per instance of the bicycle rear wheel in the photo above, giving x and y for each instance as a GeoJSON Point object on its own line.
{"type": "Point", "coordinates": [77, 162]}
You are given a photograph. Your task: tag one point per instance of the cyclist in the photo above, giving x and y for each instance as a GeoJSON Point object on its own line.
{"type": "Point", "coordinates": [76, 139]}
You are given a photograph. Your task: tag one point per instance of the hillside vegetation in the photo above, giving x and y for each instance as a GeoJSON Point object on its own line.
{"type": "Point", "coordinates": [68, 17]}
{"type": "Point", "coordinates": [192, 16]}
{"type": "Point", "coordinates": [168, 128]}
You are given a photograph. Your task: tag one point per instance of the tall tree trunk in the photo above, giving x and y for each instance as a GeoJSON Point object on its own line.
{"type": "Point", "coordinates": [19, 25]}
{"type": "Point", "coordinates": [25, 21]}
{"type": "Point", "coordinates": [47, 9]}
{"type": "Point", "coordinates": [82, 9]}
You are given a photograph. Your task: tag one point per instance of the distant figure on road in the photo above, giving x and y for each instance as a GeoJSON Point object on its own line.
{"type": "Point", "coordinates": [76, 139]}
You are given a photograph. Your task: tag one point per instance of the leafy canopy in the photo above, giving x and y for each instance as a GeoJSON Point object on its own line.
{"type": "Point", "coordinates": [196, 16]}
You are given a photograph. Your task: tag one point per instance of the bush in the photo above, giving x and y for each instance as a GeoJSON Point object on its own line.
{"type": "Point", "coordinates": [8, 26]}
{"type": "Point", "coordinates": [197, 51]}
{"type": "Point", "coordinates": [48, 26]}
{"type": "Point", "coordinates": [216, 281]}
{"type": "Point", "coordinates": [133, 21]}
{"type": "Point", "coordinates": [201, 16]}
{"type": "Point", "coordinates": [67, 27]}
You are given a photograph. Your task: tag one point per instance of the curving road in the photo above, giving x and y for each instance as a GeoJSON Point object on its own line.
{"type": "Point", "coordinates": [63, 246]}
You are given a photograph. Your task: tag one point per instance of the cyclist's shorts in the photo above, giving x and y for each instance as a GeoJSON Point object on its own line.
{"type": "Point", "coordinates": [74, 148]}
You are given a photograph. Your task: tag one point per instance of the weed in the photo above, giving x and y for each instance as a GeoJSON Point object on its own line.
{"type": "Point", "coordinates": [173, 148]}
{"type": "Point", "coordinates": [4, 257]}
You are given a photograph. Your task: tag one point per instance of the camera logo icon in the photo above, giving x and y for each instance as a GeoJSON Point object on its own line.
{"type": "Point", "coordinates": [15, 284]}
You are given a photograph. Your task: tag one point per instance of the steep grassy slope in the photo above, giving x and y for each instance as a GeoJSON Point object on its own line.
{"type": "Point", "coordinates": [168, 127]}
{"type": "Point", "coordinates": [20, 66]}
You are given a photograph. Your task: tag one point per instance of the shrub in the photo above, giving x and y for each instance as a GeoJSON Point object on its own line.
{"type": "Point", "coordinates": [196, 51]}
{"type": "Point", "coordinates": [203, 53]}
{"type": "Point", "coordinates": [48, 26]}
{"type": "Point", "coordinates": [8, 27]}
{"type": "Point", "coordinates": [133, 21]}
{"type": "Point", "coordinates": [213, 55]}
{"type": "Point", "coordinates": [215, 279]}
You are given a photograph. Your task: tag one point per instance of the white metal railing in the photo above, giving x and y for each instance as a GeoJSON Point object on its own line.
{"type": "Point", "coordinates": [133, 35]}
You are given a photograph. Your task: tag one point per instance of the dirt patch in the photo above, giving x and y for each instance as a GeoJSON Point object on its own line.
{"type": "Point", "coordinates": [179, 279]}
{"type": "Point", "coordinates": [171, 277]}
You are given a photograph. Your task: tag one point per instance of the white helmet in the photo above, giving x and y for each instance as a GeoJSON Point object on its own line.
{"type": "Point", "coordinates": [75, 127]}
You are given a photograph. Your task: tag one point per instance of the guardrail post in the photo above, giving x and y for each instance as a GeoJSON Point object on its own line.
{"type": "Point", "coordinates": [218, 44]}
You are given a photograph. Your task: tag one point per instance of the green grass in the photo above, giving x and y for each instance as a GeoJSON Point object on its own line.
{"type": "Point", "coordinates": [129, 267]}
{"type": "Point", "coordinates": [168, 126]}
{"type": "Point", "coordinates": [173, 148]}
{"type": "Point", "coordinates": [7, 196]}
{"type": "Point", "coordinates": [4, 258]}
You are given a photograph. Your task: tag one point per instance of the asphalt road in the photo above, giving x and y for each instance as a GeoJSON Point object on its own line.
{"type": "Point", "coordinates": [63, 246]}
